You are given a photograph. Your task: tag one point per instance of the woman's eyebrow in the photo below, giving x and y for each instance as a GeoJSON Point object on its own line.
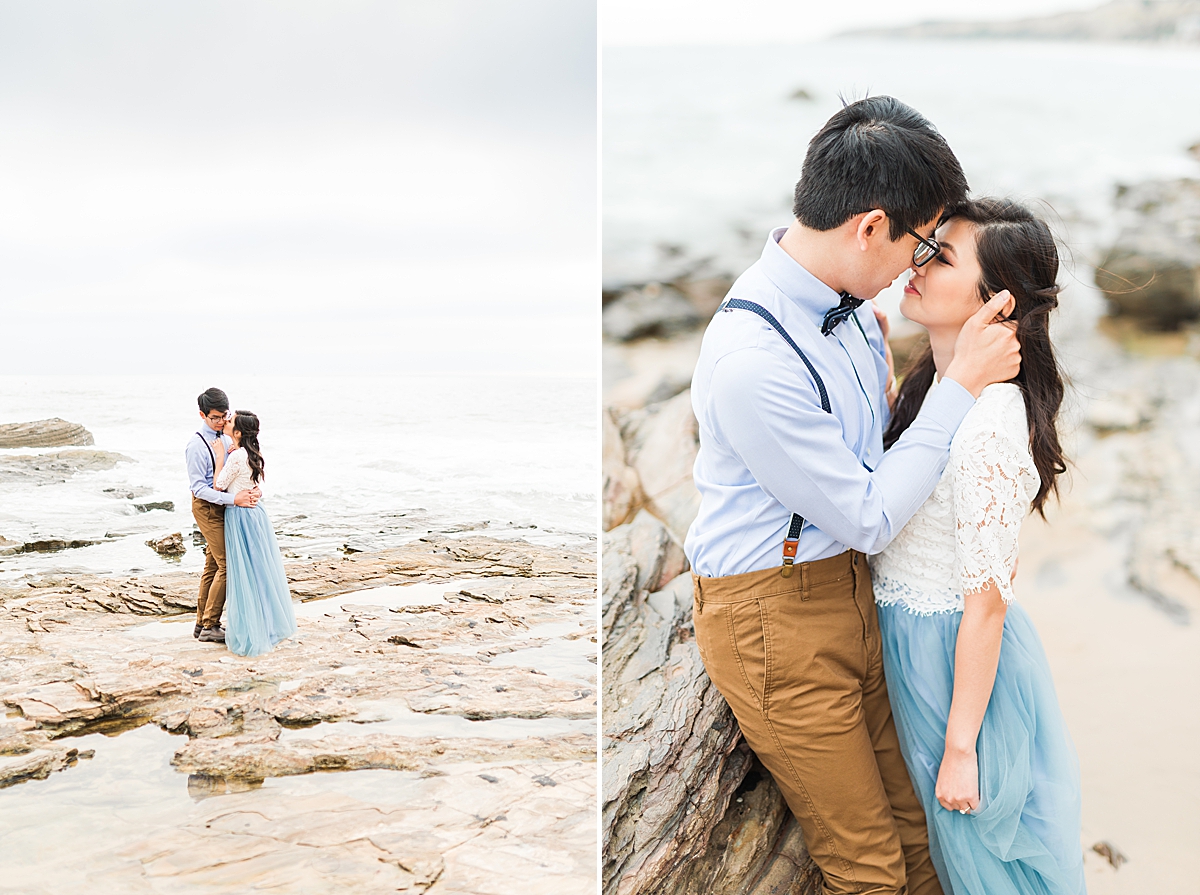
{"type": "Point", "coordinates": [945, 245]}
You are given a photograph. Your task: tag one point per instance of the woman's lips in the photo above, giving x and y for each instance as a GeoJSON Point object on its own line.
{"type": "Point", "coordinates": [909, 288]}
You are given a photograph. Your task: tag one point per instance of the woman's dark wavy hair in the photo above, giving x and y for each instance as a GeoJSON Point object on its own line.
{"type": "Point", "coordinates": [1016, 251]}
{"type": "Point", "coordinates": [245, 424]}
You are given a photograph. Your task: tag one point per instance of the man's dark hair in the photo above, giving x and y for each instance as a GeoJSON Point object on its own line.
{"type": "Point", "coordinates": [212, 399]}
{"type": "Point", "coordinates": [878, 153]}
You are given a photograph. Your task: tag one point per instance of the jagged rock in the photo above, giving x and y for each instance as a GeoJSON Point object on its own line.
{"type": "Point", "coordinates": [661, 442]}
{"type": "Point", "coordinates": [1152, 272]}
{"type": "Point", "coordinates": [64, 707]}
{"type": "Point", "coordinates": [44, 433]}
{"type": "Point", "coordinates": [56, 704]}
{"type": "Point", "coordinates": [47, 545]}
{"type": "Point", "coordinates": [671, 757]}
{"type": "Point", "coordinates": [56, 467]}
{"type": "Point", "coordinates": [655, 553]}
{"type": "Point", "coordinates": [653, 310]}
{"type": "Point", "coordinates": [168, 505]}
{"type": "Point", "coordinates": [756, 849]}
{"type": "Point", "coordinates": [622, 490]}
{"type": "Point", "coordinates": [28, 763]}
{"type": "Point", "coordinates": [170, 545]}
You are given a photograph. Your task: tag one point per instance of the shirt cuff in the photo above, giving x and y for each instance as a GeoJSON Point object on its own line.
{"type": "Point", "coordinates": [948, 405]}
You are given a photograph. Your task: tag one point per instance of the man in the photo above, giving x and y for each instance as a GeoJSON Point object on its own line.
{"type": "Point", "coordinates": [796, 489]}
{"type": "Point", "coordinates": [208, 509]}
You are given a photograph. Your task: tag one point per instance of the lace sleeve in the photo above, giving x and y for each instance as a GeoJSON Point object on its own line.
{"type": "Point", "coordinates": [234, 464]}
{"type": "Point", "coordinates": [991, 478]}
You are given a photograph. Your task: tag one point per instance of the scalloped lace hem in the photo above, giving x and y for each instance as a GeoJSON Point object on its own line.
{"type": "Point", "coordinates": [890, 592]}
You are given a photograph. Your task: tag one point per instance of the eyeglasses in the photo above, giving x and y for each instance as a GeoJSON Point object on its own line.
{"type": "Point", "coordinates": [926, 250]}
{"type": "Point", "coordinates": [216, 419]}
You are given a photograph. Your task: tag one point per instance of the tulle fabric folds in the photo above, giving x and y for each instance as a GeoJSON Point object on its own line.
{"type": "Point", "coordinates": [258, 604]}
{"type": "Point", "coordinates": [1025, 837]}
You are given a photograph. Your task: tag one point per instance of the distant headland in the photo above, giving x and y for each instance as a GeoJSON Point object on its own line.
{"type": "Point", "coordinates": [1173, 21]}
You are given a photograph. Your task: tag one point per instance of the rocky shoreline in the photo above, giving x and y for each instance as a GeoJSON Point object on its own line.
{"type": "Point", "coordinates": [377, 678]}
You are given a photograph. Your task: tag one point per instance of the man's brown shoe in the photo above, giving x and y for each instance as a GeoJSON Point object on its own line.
{"type": "Point", "coordinates": [215, 634]}
{"type": "Point", "coordinates": [196, 630]}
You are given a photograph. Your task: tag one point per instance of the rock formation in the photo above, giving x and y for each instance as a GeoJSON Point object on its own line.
{"type": "Point", "coordinates": [686, 807]}
{"type": "Point", "coordinates": [54, 468]}
{"type": "Point", "coordinates": [43, 433]}
{"type": "Point", "coordinates": [366, 683]}
{"type": "Point", "coordinates": [652, 310]}
{"type": "Point", "coordinates": [168, 545]}
{"type": "Point", "coordinates": [1151, 274]}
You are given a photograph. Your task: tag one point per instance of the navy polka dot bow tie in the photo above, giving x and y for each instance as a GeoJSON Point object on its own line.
{"type": "Point", "coordinates": [837, 315]}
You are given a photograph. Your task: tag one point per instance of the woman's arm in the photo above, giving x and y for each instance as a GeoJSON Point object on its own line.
{"type": "Point", "coordinates": [991, 472]}
{"type": "Point", "coordinates": [976, 656]}
{"type": "Point", "coordinates": [226, 472]}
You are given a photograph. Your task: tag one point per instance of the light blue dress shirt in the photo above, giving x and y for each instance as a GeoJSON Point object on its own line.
{"type": "Point", "coordinates": [768, 449]}
{"type": "Point", "coordinates": [200, 466]}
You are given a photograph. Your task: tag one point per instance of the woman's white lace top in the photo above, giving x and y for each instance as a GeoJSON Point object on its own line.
{"type": "Point", "coordinates": [965, 535]}
{"type": "Point", "coordinates": [235, 474]}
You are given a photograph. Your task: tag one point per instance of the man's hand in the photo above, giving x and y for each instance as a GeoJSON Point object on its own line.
{"type": "Point", "coordinates": [987, 350]}
{"type": "Point", "coordinates": [247, 497]}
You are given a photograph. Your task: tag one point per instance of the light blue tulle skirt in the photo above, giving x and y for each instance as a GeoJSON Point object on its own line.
{"type": "Point", "coordinates": [1024, 839]}
{"type": "Point", "coordinates": [258, 604]}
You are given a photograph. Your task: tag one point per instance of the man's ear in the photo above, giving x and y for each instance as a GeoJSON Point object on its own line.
{"type": "Point", "coordinates": [869, 226]}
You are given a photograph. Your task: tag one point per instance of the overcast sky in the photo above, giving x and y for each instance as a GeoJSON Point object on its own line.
{"type": "Point", "coordinates": [667, 22]}
{"type": "Point", "coordinates": [325, 184]}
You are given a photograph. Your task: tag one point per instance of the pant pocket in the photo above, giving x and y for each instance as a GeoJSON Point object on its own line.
{"type": "Point", "coordinates": [750, 643]}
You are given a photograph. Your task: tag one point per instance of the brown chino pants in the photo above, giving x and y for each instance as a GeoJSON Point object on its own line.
{"type": "Point", "coordinates": [210, 519]}
{"type": "Point", "coordinates": [800, 662]}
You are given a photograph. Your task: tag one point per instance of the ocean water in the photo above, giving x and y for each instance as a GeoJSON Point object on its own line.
{"type": "Point", "coordinates": [358, 462]}
{"type": "Point", "coordinates": [703, 145]}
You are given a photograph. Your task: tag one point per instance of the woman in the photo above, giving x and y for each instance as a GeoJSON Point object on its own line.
{"type": "Point", "coordinates": [979, 722]}
{"type": "Point", "coordinates": [258, 601]}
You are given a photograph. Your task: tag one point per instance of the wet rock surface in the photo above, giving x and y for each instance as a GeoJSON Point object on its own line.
{"type": "Point", "coordinates": [1151, 274]}
{"type": "Point", "coordinates": [43, 433]}
{"type": "Point", "coordinates": [168, 545]}
{"type": "Point", "coordinates": [481, 689]}
{"type": "Point", "coordinates": [54, 467]}
{"type": "Point", "coordinates": [651, 310]}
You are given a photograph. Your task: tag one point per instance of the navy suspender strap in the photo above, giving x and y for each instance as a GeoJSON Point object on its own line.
{"type": "Point", "coordinates": [211, 455]}
{"type": "Point", "coordinates": [766, 315]}
{"type": "Point", "coordinates": [792, 542]}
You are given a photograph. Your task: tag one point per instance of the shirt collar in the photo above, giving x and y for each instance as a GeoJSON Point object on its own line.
{"type": "Point", "coordinates": [207, 434]}
{"type": "Point", "coordinates": [794, 281]}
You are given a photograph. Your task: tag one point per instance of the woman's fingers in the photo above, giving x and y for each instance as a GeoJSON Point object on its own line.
{"type": "Point", "coordinates": [958, 804]}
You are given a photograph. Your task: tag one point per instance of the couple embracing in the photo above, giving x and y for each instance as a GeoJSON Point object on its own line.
{"type": "Point", "coordinates": [856, 541]}
{"type": "Point", "coordinates": [242, 568]}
